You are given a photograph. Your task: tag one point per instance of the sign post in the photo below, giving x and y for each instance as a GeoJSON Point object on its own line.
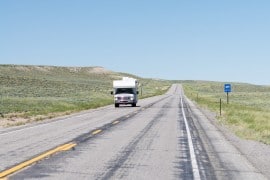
{"type": "Point", "coordinates": [220, 107]}
{"type": "Point", "coordinates": [227, 89]}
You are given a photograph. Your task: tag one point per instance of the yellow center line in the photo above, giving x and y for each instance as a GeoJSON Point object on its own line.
{"type": "Point", "coordinates": [14, 169]}
{"type": "Point", "coordinates": [96, 132]}
{"type": "Point", "coordinates": [68, 147]}
{"type": "Point", "coordinates": [115, 122]}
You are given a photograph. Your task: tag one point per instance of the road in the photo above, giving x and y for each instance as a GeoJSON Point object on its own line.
{"type": "Point", "coordinates": [164, 137]}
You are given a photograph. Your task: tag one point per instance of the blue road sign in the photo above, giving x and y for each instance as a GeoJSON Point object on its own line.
{"type": "Point", "coordinates": [227, 88]}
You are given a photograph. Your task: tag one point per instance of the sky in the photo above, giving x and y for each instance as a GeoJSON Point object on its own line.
{"type": "Point", "coordinates": [216, 40]}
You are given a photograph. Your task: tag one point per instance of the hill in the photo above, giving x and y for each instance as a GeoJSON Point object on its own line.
{"type": "Point", "coordinates": [33, 93]}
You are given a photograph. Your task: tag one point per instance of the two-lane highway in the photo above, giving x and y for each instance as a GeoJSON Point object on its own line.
{"type": "Point", "coordinates": [162, 138]}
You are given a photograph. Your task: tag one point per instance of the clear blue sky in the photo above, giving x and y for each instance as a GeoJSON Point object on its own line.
{"type": "Point", "coordinates": [218, 40]}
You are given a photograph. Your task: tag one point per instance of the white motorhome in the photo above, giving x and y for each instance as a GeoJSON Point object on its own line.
{"type": "Point", "coordinates": [125, 91]}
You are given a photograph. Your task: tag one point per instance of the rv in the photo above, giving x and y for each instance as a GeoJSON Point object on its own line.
{"type": "Point", "coordinates": [125, 91]}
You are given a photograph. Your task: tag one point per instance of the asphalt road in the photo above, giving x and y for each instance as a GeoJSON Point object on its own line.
{"type": "Point", "coordinates": [164, 137]}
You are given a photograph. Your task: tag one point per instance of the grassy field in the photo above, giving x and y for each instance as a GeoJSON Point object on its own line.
{"type": "Point", "coordinates": [39, 92]}
{"type": "Point", "coordinates": [248, 111]}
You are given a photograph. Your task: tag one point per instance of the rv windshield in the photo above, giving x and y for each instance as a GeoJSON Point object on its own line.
{"type": "Point", "coordinates": [124, 91]}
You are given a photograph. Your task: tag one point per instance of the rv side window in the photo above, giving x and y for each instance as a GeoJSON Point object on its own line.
{"type": "Point", "coordinates": [124, 91]}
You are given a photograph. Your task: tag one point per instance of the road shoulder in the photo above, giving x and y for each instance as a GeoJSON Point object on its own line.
{"type": "Point", "coordinates": [239, 158]}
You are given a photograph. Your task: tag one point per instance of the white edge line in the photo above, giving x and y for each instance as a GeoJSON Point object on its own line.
{"type": "Point", "coordinates": [195, 168]}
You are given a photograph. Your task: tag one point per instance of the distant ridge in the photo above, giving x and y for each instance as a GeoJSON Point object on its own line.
{"type": "Point", "coordinates": [45, 68]}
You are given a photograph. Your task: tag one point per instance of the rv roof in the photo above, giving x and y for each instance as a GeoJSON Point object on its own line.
{"type": "Point", "coordinates": [124, 84]}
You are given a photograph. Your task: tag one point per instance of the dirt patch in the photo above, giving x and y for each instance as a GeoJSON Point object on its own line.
{"type": "Point", "coordinates": [43, 68]}
{"type": "Point", "coordinates": [74, 69]}
{"type": "Point", "coordinates": [6, 122]}
{"type": "Point", "coordinates": [18, 119]}
{"type": "Point", "coordinates": [99, 70]}
{"type": "Point", "coordinates": [23, 68]}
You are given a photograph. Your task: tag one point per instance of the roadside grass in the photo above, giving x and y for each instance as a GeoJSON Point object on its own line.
{"type": "Point", "coordinates": [248, 111]}
{"type": "Point", "coordinates": [41, 92]}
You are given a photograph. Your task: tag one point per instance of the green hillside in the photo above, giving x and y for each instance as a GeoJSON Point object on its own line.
{"type": "Point", "coordinates": [38, 92]}
{"type": "Point", "coordinates": [248, 111]}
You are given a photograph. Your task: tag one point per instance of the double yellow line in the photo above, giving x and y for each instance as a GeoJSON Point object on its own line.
{"type": "Point", "coordinates": [14, 169]}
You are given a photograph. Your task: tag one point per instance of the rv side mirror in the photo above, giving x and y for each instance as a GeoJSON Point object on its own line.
{"type": "Point", "coordinates": [137, 92]}
{"type": "Point", "coordinates": [111, 92]}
